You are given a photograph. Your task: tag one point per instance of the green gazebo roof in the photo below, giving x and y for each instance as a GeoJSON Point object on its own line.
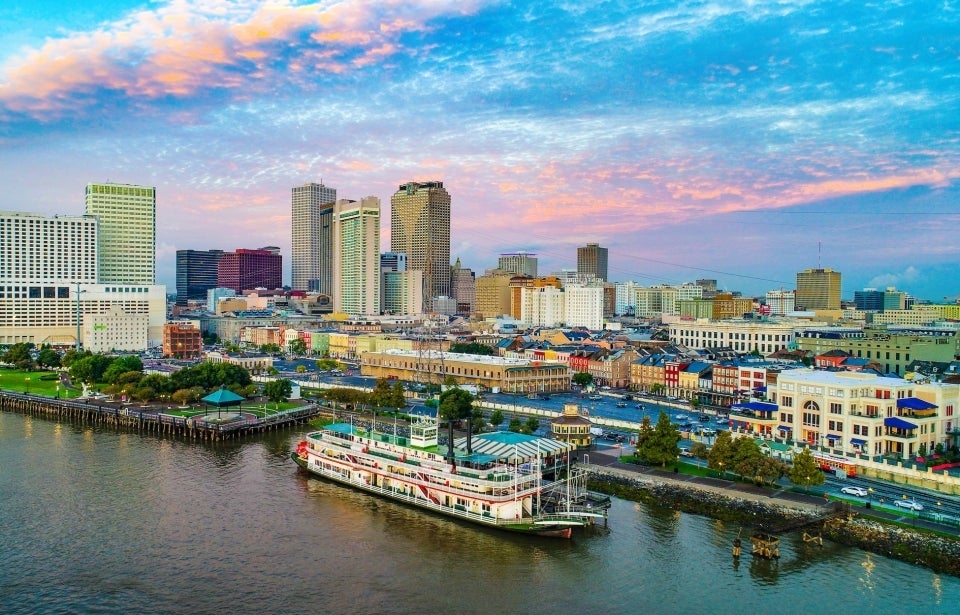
{"type": "Point", "coordinates": [222, 397]}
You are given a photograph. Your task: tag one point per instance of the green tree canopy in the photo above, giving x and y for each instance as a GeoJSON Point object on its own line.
{"type": "Point", "coordinates": [278, 390]}
{"type": "Point", "coordinates": [582, 378]}
{"type": "Point", "coordinates": [297, 347]}
{"type": "Point", "coordinates": [746, 457]}
{"type": "Point", "coordinates": [660, 445]}
{"type": "Point", "coordinates": [472, 348]}
{"type": "Point", "coordinates": [496, 417]}
{"type": "Point", "coordinates": [455, 405]}
{"type": "Point", "coordinates": [720, 457]}
{"type": "Point", "coordinates": [48, 357]}
{"type": "Point", "coordinates": [805, 471]}
{"type": "Point", "coordinates": [532, 424]}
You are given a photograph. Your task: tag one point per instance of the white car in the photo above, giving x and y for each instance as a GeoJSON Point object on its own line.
{"type": "Point", "coordinates": [909, 504]}
{"type": "Point", "coordinates": [857, 491]}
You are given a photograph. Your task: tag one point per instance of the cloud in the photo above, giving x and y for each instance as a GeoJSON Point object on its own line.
{"type": "Point", "coordinates": [898, 279]}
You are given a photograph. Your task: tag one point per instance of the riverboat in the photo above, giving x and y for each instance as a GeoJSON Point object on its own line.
{"type": "Point", "coordinates": [506, 490]}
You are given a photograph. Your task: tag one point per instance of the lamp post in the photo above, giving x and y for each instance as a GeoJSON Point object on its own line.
{"type": "Point", "coordinates": [869, 497]}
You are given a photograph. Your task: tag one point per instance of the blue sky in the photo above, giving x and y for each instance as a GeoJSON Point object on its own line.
{"type": "Point", "coordinates": [742, 141]}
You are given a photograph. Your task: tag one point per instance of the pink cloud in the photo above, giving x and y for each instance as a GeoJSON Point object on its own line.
{"type": "Point", "coordinates": [184, 48]}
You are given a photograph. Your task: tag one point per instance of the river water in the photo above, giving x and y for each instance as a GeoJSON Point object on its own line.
{"type": "Point", "coordinates": [95, 521]}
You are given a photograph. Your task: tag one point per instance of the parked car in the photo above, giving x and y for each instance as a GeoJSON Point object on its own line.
{"type": "Point", "coordinates": [685, 452]}
{"type": "Point", "coordinates": [857, 491]}
{"type": "Point", "coordinates": [909, 504]}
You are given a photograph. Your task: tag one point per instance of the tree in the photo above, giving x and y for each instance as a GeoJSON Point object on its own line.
{"type": "Point", "coordinates": [382, 393]}
{"type": "Point", "coordinates": [746, 457]}
{"type": "Point", "coordinates": [496, 417]}
{"type": "Point", "coordinates": [455, 405]}
{"type": "Point", "coordinates": [533, 424]}
{"type": "Point", "coordinates": [515, 425]}
{"type": "Point", "coordinates": [270, 348]}
{"type": "Point", "coordinates": [582, 379]}
{"type": "Point", "coordinates": [699, 450]}
{"type": "Point", "coordinates": [297, 347]}
{"type": "Point", "coordinates": [19, 355]}
{"type": "Point", "coordinates": [660, 443]}
{"type": "Point", "coordinates": [805, 471]}
{"type": "Point", "coordinates": [398, 397]}
{"type": "Point", "coordinates": [278, 390]}
{"type": "Point", "coordinates": [186, 396]}
{"type": "Point", "coordinates": [48, 357]}
{"type": "Point", "coordinates": [327, 364]}
{"type": "Point", "coordinates": [720, 457]}
{"type": "Point", "coordinates": [472, 348]}
{"type": "Point", "coordinates": [657, 389]}
{"type": "Point", "coordinates": [770, 470]}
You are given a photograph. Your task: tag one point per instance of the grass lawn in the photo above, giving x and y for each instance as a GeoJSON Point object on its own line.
{"type": "Point", "coordinates": [30, 382]}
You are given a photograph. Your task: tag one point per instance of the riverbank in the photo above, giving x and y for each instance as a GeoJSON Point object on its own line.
{"type": "Point", "coordinates": [763, 512]}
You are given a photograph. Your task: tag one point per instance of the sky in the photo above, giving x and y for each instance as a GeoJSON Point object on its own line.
{"type": "Point", "coordinates": [741, 141]}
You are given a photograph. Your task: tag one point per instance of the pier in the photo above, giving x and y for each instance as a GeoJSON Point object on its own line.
{"type": "Point", "coordinates": [234, 424]}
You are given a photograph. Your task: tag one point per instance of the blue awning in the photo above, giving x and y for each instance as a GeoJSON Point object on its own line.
{"type": "Point", "coordinates": [785, 428]}
{"type": "Point", "coordinates": [832, 436]}
{"type": "Point", "coordinates": [898, 423]}
{"type": "Point", "coordinates": [762, 389]}
{"type": "Point", "coordinates": [915, 403]}
{"type": "Point", "coordinates": [857, 441]}
{"type": "Point", "coordinates": [757, 406]}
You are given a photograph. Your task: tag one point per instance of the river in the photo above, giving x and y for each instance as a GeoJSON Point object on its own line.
{"type": "Point", "coordinates": [96, 521]}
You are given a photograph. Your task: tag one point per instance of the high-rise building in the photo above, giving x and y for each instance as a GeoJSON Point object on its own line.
{"type": "Point", "coordinates": [356, 257]}
{"type": "Point", "coordinates": [493, 294]}
{"type": "Point", "coordinates": [196, 274]}
{"type": "Point", "coordinates": [873, 300]}
{"type": "Point", "coordinates": [420, 227]}
{"type": "Point", "coordinates": [818, 289]}
{"type": "Point", "coordinates": [520, 263]}
{"type": "Point", "coordinates": [311, 260]}
{"type": "Point", "coordinates": [781, 301]}
{"type": "Point", "coordinates": [127, 236]}
{"type": "Point", "coordinates": [403, 292]}
{"type": "Point", "coordinates": [49, 292]}
{"type": "Point", "coordinates": [246, 269]}
{"type": "Point", "coordinates": [583, 306]}
{"type": "Point", "coordinates": [592, 259]}
{"type": "Point", "coordinates": [463, 287]}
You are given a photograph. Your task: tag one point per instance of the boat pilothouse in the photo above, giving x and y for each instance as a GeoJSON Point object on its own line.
{"type": "Point", "coordinates": [500, 483]}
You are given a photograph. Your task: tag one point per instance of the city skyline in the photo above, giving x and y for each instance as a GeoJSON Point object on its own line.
{"type": "Point", "coordinates": [737, 142]}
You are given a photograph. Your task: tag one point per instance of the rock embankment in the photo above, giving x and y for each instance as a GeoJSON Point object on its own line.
{"type": "Point", "coordinates": [938, 553]}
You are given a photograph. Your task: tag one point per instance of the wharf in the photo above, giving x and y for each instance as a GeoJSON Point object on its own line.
{"type": "Point", "coordinates": [229, 425]}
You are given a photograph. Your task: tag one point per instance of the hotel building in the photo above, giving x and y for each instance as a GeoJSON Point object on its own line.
{"type": "Point", "coordinates": [356, 262]}
{"type": "Point", "coordinates": [420, 228]}
{"type": "Point", "coordinates": [127, 234]}
{"type": "Point", "coordinates": [311, 258]}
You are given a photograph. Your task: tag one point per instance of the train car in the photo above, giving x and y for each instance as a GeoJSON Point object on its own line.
{"type": "Point", "coordinates": [835, 464]}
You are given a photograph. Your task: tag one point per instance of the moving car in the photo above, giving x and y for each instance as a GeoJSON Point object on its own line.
{"type": "Point", "coordinates": [909, 504]}
{"type": "Point", "coordinates": [857, 491]}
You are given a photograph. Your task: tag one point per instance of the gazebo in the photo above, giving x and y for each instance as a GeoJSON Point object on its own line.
{"type": "Point", "coordinates": [222, 397]}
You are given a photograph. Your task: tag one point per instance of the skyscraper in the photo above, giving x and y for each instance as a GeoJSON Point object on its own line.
{"type": "Point", "coordinates": [356, 262]}
{"type": "Point", "coordinates": [128, 231]}
{"type": "Point", "coordinates": [420, 227]}
{"type": "Point", "coordinates": [592, 260]}
{"type": "Point", "coordinates": [196, 274]}
{"type": "Point", "coordinates": [311, 261]}
{"type": "Point", "coordinates": [818, 289]}
{"type": "Point", "coordinates": [246, 269]}
{"type": "Point", "coordinates": [463, 287]}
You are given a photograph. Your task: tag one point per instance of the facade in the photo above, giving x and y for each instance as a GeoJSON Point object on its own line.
{"type": "Point", "coordinates": [892, 350]}
{"type": "Point", "coordinates": [583, 306]}
{"type": "Point", "coordinates": [873, 300]}
{"type": "Point", "coordinates": [506, 374]}
{"type": "Point", "coordinates": [519, 263]}
{"type": "Point", "coordinates": [625, 298]}
{"type": "Point", "coordinates": [743, 336]}
{"type": "Point", "coordinates": [127, 234]}
{"type": "Point", "coordinates": [572, 427]}
{"type": "Point", "coordinates": [854, 412]}
{"type": "Point", "coordinates": [196, 274]}
{"type": "Point", "coordinates": [390, 262]}
{"type": "Point", "coordinates": [493, 294]}
{"type": "Point", "coordinates": [463, 288]}
{"type": "Point", "coordinates": [657, 301]}
{"type": "Point", "coordinates": [592, 260]}
{"type": "Point", "coordinates": [403, 292]}
{"type": "Point", "coordinates": [781, 302]}
{"type": "Point", "coordinates": [542, 307]}
{"type": "Point", "coordinates": [420, 228]}
{"type": "Point", "coordinates": [246, 269]}
{"type": "Point", "coordinates": [818, 289]}
{"type": "Point", "coordinates": [182, 340]}
{"type": "Point", "coordinates": [725, 305]}
{"type": "Point", "coordinates": [311, 259]}
{"type": "Point", "coordinates": [356, 263]}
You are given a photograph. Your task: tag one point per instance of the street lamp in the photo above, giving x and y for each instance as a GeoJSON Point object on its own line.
{"type": "Point", "coordinates": [869, 497]}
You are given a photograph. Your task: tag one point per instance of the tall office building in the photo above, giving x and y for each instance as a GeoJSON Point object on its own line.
{"type": "Point", "coordinates": [520, 263]}
{"type": "Point", "coordinates": [196, 274]}
{"type": "Point", "coordinates": [356, 261]}
{"type": "Point", "coordinates": [818, 289]}
{"type": "Point", "coordinates": [592, 259]}
{"type": "Point", "coordinates": [420, 227]}
{"type": "Point", "coordinates": [311, 261]}
{"type": "Point", "coordinates": [463, 287]}
{"type": "Point", "coordinates": [127, 235]}
{"type": "Point", "coordinates": [246, 269]}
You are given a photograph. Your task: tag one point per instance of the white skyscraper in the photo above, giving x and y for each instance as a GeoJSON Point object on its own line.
{"type": "Point", "coordinates": [583, 306]}
{"type": "Point", "coordinates": [311, 262]}
{"type": "Point", "coordinates": [127, 239]}
{"type": "Point", "coordinates": [356, 263]}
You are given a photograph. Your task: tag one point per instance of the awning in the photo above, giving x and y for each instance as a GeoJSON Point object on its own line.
{"type": "Point", "coordinates": [898, 423]}
{"type": "Point", "coordinates": [915, 403]}
{"type": "Point", "coordinates": [785, 428]}
{"type": "Point", "coordinates": [757, 406]}
{"type": "Point", "coordinates": [832, 436]}
{"type": "Point", "coordinates": [857, 441]}
{"type": "Point", "coordinates": [760, 389]}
